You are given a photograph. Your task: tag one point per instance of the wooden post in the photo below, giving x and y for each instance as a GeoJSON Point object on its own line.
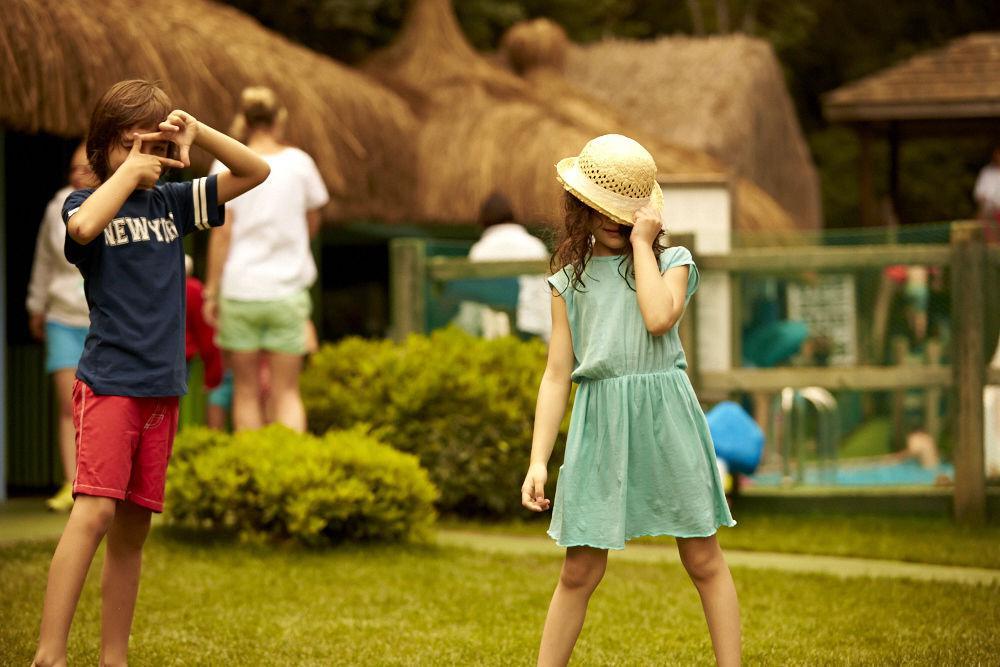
{"type": "Point", "coordinates": [969, 368]}
{"type": "Point", "coordinates": [3, 324]}
{"type": "Point", "coordinates": [900, 357]}
{"type": "Point", "coordinates": [894, 190]}
{"type": "Point", "coordinates": [932, 396]}
{"type": "Point", "coordinates": [408, 286]}
{"type": "Point", "coordinates": [866, 177]}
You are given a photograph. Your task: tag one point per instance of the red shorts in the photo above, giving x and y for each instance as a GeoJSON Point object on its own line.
{"type": "Point", "coordinates": [123, 445]}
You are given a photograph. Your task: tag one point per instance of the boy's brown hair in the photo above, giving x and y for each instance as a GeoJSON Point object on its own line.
{"type": "Point", "coordinates": [125, 105]}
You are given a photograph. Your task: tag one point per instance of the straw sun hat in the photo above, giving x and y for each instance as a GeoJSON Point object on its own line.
{"type": "Point", "coordinates": [614, 175]}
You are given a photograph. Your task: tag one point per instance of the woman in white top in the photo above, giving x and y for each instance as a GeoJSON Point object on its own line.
{"type": "Point", "coordinates": [58, 314]}
{"type": "Point", "coordinates": [260, 268]}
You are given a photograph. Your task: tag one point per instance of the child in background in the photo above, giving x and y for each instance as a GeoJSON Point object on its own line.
{"type": "Point", "coordinates": [125, 237]}
{"type": "Point", "coordinates": [58, 314]}
{"type": "Point", "coordinates": [639, 458]}
{"type": "Point", "coordinates": [200, 341]}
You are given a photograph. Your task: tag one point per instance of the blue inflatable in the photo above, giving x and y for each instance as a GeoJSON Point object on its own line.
{"type": "Point", "coordinates": [738, 440]}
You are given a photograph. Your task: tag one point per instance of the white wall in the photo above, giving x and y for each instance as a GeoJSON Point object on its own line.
{"type": "Point", "coordinates": [705, 209]}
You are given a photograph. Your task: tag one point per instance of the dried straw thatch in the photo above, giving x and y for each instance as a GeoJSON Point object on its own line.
{"type": "Point", "coordinates": [722, 95]}
{"type": "Point", "coordinates": [484, 128]}
{"type": "Point", "coordinates": [959, 80]}
{"type": "Point", "coordinates": [59, 56]}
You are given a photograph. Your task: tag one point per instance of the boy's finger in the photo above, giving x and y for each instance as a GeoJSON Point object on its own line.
{"type": "Point", "coordinates": [136, 144]}
{"type": "Point", "coordinates": [157, 136]}
{"type": "Point", "coordinates": [185, 155]}
{"type": "Point", "coordinates": [167, 162]}
{"type": "Point", "coordinates": [166, 126]}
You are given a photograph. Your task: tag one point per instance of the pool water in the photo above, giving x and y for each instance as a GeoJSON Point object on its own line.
{"type": "Point", "coordinates": [904, 473]}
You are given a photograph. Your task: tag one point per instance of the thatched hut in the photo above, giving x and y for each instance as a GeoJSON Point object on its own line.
{"type": "Point", "coordinates": [59, 56]}
{"type": "Point", "coordinates": [725, 96]}
{"type": "Point", "coordinates": [483, 128]}
{"type": "Point", "coordinates": [950, 91]}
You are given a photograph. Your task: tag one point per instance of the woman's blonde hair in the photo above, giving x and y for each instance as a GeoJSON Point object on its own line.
{"type": "Point", "coordinates": [259, 108]}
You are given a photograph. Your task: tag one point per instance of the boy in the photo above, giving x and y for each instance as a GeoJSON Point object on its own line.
{"type": "Point", "coordinates": [125, 237]}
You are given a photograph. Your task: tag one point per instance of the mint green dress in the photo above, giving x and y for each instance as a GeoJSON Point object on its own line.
{"type": "Point", "coordinates": [639, 457]}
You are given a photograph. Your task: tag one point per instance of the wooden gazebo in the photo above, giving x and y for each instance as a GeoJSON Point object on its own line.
{"type": "Point", "coordinates": [954, 90]}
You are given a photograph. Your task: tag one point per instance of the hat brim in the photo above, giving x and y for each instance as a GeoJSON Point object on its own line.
{"type": "Point", "coordinates": [577, 184]}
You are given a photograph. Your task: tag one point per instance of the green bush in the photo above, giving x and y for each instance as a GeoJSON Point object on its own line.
{"type": "Point", "coordinates": [465, 406]}
{"type": "Point", "coordinates": [278, 484]}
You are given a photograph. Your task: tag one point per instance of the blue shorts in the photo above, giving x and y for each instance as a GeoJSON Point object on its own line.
{"type": "Point", "coordinates": [222, 396]}
{"type": "Point", "coordinates": [63, 346]}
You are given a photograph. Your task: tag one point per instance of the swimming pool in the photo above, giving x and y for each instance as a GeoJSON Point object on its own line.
{"type": "Point", "coordinates": [902, 473]}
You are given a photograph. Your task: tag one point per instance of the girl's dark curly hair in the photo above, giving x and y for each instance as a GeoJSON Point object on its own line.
{"type": "Point", "coordinates": [574, 246]}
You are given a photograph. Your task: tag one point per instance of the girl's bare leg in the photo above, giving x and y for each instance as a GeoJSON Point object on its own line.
{"type": "Point", "coordinates": [705, 564]}
{"type": "Point", "coordinates": [581, 573]}
{"type": "Point", "coordinates": [284, 397]}
{"type": "Point", "coordinates": [247, 413]}
{"type": "Point", "coordinates": [63, 379]}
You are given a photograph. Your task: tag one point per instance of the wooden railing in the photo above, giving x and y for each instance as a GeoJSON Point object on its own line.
{"type": "Point", "coordinates": [414, 275]}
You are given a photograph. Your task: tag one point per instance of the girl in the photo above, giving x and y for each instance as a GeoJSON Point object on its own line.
{"type": "Point", "coordinates": [639, 458]}
{"type": "Point", "coordinates": [260, 270]}
{"type": "Point", "coordinates": [58, 314]}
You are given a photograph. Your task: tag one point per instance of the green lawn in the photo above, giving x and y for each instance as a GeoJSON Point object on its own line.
{"type": "Point", "coordinates": [914, 539]}
{"type": "Point", "coordinates": [221, 603]}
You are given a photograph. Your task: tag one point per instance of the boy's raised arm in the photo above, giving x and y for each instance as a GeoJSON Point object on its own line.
{"type": "Point", "coordinates": [138, 170]}
{"type": "Point", "coordinates": [247, 170]}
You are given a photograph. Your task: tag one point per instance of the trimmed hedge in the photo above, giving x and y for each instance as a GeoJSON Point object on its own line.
{"type": "Point", "coordinates": [281, 485]}
{"type": "Point", "coordinates": [465, 406]}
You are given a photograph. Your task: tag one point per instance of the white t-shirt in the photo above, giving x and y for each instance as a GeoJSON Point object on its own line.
{"type": "Point", "coordinates": [269, 254]}
{"type": "Point", "coordinates": [56, 286]}
{"type": "Point", "coordinates": [987, 191]}
{"type": "Point", "coordinates": [510, 241]}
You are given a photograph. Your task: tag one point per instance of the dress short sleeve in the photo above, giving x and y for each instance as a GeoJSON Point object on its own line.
{"type": "Point", "coordinates": [560, 280]}
{"type": "Point", "coordinates": [681, 256]}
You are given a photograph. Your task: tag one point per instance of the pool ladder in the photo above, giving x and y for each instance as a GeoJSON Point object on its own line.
{"type": "Point", "coordinates": [790, 426]}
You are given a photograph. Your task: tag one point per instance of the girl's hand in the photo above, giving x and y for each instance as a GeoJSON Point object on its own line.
{"type": "Point", "coordinates": [143, 167]}
{"type": "Point", "coordinates": [181, 129]}
{"type": "Point", "coordinates": [210, 309]}
{"type": "Point", "coordinates": [36, 324]}
{"type": "Point", "coordinates": [533, 489]}
{"type": "Point", "coordinates": [648, 225]}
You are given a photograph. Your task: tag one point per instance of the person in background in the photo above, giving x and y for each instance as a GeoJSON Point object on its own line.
{"type": "Point", "coordinates": [504, 239]}
{"type": "Point", "coordinates": [200, 340]}
{"type": "Point", "coordinates": [987, 196]}
{"type": "Point", "coordinates": [260, 268]}
{"type": "Point", "coordinates": [59, 316]}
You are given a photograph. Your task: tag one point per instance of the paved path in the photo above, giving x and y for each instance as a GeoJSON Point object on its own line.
{"type": "Point", "coordinates": [763, 560]}
{"type": "Point", "coordinates": [26, 519]}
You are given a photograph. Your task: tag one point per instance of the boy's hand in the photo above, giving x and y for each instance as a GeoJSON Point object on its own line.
{"type": "Point", "coordinates": [181, 129]}
{"type": "Point", "coordinates": [145, 168]}
{"type": "Point", "coordinates": [648, 225]}
{"type": "Point", "coordinates": [533, 489]}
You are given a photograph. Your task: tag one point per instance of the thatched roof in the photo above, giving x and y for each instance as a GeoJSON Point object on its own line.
{"type": "Point", "coordinates": [59, 56]}
{"type": "Point", "coordinates": [484, 128]}
{"type": "Point", "coordinates": [960, 80]}
{"type": "Point", "coordinates": [722, 95]}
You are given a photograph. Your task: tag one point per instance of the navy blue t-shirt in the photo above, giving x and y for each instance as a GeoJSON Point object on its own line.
{"type": "Point", "coordinates": [134, 279]}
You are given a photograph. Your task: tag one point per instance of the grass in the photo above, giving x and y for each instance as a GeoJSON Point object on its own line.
{"type": "Point", "coordinates": [223, 603]}
{"type": "Point", "coordinates": [913, 539]}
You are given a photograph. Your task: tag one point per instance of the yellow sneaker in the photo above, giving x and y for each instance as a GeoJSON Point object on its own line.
{"type": "Point", "coordinates": [63, 500]}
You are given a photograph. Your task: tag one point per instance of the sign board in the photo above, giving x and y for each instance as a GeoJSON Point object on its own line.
{"type": "Point", "coordinates": [828, 306]}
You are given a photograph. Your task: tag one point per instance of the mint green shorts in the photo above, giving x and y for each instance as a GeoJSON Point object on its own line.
{"type": "Point", "coordinates": [275, 326]}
